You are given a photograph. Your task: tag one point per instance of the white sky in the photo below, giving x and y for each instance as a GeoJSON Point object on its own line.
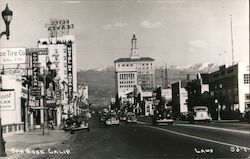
{"type": "Point", "coordinates": [174, 32]}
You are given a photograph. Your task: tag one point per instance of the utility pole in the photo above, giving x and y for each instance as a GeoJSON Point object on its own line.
{"type": "Point", "coordinates": [166, 76]}
{"type": "Point", "coordinates": [232, 42]}
{"type": "Point", "coordinates": [219, 59]}
{"type": "Point", "coordinates": [2, 141]}
{"type": "Point", "coordinates": [45, 123]}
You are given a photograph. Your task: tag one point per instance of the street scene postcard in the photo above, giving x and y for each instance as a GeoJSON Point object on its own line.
{"type": "Point", "coordinates": [124, 79]}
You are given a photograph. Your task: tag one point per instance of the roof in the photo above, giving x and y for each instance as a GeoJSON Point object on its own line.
{"type": "Point", "coordinates": [134, 60]}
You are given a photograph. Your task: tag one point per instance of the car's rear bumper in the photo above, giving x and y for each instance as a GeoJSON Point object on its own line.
{"type": "Point", "coordinates": [165, 121]}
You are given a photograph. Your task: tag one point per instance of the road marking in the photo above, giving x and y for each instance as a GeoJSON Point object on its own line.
{"type": "Point", "coordinates": [215, 128]}
{"type": "Point", "coordinates": [195, 137]}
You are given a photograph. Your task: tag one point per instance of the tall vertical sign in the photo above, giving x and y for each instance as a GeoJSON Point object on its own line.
{"type": "Point", "coordinates": [35, 69]}
{"type": "Point", "coordinates": [35, 89]}
{"type": "Point", "coordinates": [70, 70]}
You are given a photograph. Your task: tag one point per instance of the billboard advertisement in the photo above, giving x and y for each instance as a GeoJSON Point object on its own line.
{"type": "Point", "coordinates": [7, 100]}
{"type": "Point", "coordinates": [12, 56]}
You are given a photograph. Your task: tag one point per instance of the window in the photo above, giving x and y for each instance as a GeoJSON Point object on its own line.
{"type": "Point", "coordinates": [246, 78]}
{"type": "Point", "coordinates": [230, 71]}
{"type": "Point", "coordinates": [247, 96]}
{"type": "Point", "coordinates": [131, 65]}
{"type": "Point", "coordinates": [127, 65]}
{"type": "Point", "coordinates": [118, 65]}
{"type": "Point", "coordinates": [123, 65]}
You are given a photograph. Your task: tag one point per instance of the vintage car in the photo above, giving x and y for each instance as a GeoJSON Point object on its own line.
{"type": "Point", "coordinates": [199, 114]}
{"type": "Point", "coordinates": [163, 115]}
{"type": "Point", "coordinates": [131, 118]}
{"type": "Point", "coordinates": [111, 119]}
{"type": "Point", "coordinates": [80, 123]}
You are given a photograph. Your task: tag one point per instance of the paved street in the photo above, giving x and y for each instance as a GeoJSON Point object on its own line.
{"type": "Point", "coordinates": [146, 141]}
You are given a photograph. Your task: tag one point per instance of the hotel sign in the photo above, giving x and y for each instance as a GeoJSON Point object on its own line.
{"type": "Point", "coordinates": [12, 55]}
{"type": "Point", "coordinates": [70, 71]}
{"type": "Point", "coordinates": [7, 100]}
{"type": "Point", "coordinates": [59, 27]}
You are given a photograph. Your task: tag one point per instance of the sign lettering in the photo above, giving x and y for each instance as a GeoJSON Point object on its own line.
{"type": "Point", "coordinates": [7, 100]}
{"type": "Point", "coordinates": [12, 55]}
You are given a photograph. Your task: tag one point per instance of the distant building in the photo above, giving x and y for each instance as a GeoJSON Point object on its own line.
{"type": "Point", "coordinates": [83, 92]}
{"type": "Point", "coordinates": [230, 87]}
{"type": "Point", "coordinates": [167, 94]}
{"type": "Point", "coordinates": [179, 97]}
{"type": "Point", "coordinates": [133, 71]}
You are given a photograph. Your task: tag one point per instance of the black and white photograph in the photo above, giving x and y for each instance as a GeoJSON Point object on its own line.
{"type": "Point", "coordinates": [124, 79]}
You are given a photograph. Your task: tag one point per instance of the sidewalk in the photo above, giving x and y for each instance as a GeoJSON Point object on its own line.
{"type": "Point", "coordinates": [33, 140]}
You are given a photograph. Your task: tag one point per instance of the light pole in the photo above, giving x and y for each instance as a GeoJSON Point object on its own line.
{"type": "Point", "coordinates": [7, 16]}
{"type": "Point", "coordinates": [218, 102]}
{"type": "Point", "coordinates": [45, 124]}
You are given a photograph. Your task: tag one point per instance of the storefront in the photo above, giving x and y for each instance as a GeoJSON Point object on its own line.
{"type": "Point", "coordinates": [11, 101]}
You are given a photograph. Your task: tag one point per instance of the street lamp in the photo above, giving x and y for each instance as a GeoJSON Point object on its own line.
{"type": "Point", "coordinates": [45, 124]}
{"type": "Point", "coordinates": [7, 16]}
{"type": "Point", "coordinates": [218, 102]}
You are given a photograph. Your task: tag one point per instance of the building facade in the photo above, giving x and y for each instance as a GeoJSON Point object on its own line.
{"type": "Point", "coordinates": [229, 87]}
{"type": "Point", "coordinates": [133, 71]}
{"type": "Point", "coordinates": [179, 97]}
{"type": "Point", "coordinates": [12, 101]}
{"type": "Point", "coordinates": [62, 55]}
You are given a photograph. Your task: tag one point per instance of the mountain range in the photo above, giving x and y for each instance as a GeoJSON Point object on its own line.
{"type": "Point", "coordinates": [101, 80]}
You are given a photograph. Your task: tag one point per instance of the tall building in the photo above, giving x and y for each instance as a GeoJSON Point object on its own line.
{"type": "Point", "coordinates": [179, 97]}
{"type": "Point", "coordinates": [133, 71]}
{"type": "Point", "coordinates": [229, 87]}
{"type": "Point", "coordinates": [62, 55]}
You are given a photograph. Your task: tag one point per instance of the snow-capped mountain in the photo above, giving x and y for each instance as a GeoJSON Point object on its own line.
{"type": "Point", "coordinates": [199, 67]}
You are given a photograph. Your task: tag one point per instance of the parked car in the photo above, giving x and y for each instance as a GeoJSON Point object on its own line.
{"type": "Point", "coordinates": [102, 116]}
{"type": "Point", "coordinates": [199, 114]}
{"type": "Point", "coordinates": [111, 119]}
{"type": "Point", "coordinates": [131, 118]}
{"type": "Point", "coordinates": [80, 123]}
{"type": "Point", "coordinates": [68, 123]}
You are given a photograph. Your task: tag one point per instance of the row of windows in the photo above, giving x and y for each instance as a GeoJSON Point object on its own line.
{"type": "Point", "coordinates": [127, 82]}
{"type": "Point", "coordinates": [131, 65]}
{"type": "Point", "coordinates": [246, 78]}
{"type": "Point", "coordinates": [127, 86]}
{"type": "Point", "coordinates": [126, 76]}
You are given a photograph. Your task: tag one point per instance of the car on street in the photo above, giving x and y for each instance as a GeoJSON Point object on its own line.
{"type": "Point", "coordinates": [199, 114]}
{"type": "Point", "coordinates": [80, 123]}
{"type": "Point", "coordinates": [131, 118]}
{"type": "Point", "coordinates": [163, 115]}
{"type": "Point", "coordinates": [112, 119]}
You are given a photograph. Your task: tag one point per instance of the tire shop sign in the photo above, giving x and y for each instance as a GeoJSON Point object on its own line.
{"type": "Point", "coordinates": [12, 55]}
